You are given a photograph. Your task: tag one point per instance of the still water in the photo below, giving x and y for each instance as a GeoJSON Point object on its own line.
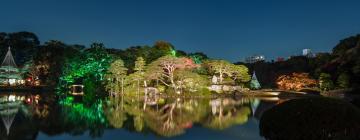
{"type": "Point", "coordinates": [44, 116]}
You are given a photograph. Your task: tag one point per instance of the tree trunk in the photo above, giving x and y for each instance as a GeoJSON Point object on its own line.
{"type": "Point", "coordinates": [145, 83]}
{"type": "Point", "coordinates": [221, 77]}
{"type": "Point", "coordinates": [122, 86]}
{"type": "Point", "coordinates": [172, 81]}
{"type": "Point", "coordinates": [138, 87]}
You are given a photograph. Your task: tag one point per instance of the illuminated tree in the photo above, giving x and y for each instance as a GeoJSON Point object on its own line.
{"type": "Point", "coordinates": [295, 81]}
{"type": "Point", "coordinates": [190, 81]}
{"type": "Point", "coordinates": [220, 67]}
{"type": "Point", "coordinates": [140, 71]}
{"type": "Point", "coordinates": [163, 69]}
{"type": "Point", "coordinates": [90, 65]}
{"type": "Point", "coordinates": [51, 57]}
{"type": "Point", "coordinates": [254, 83]}
{"type": "Point", "coordinates": [198, 57]}
{"type": "Point", "coordinates": [115, 75]}
{"type": "Point", "coordinates": [153, 72]}
{"type": "Point", "coordinates": [240, 73]}
{"type": "Point", "coordinates": [325, 82]}
{"type": "Point", "coordinates": [93, 61]}
{"type": "Point", "coordinates": [31, 71]}
{"type": "Point", "coordinates": [225, 68]}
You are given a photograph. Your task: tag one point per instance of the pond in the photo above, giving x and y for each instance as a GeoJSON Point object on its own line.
{"type": "Point", "coordinates": [42, 116]}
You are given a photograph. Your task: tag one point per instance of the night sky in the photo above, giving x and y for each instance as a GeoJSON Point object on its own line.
{"type": "Point", "coordinates": [228, 29]}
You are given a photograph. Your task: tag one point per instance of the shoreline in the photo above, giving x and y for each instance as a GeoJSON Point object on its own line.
{"type": "Point", "coordinates": [39, 89]}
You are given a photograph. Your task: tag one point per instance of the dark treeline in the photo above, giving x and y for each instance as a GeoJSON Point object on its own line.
{"type": "Point", "coordinates": [50, 57]}
{"type": "Point", "coordinates": [342, 64]}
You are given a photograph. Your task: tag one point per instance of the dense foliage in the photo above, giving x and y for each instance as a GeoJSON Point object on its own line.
{"type": "Point", "coordinates": [295, 81]}
{"type": "Point", "coordinates": [343, 65]}
{"type": "Point", "coordinates": [56, 60]}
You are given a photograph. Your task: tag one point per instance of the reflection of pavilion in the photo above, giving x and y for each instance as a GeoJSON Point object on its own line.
{"type": "Point", "coordinates": [9, 107]}
{"type": "Point", "coordinates": [16, 112]}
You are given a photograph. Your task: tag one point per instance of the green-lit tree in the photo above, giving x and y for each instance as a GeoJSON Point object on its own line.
{"type": "Point", "coordinates": [115, 75]}
{"type": "Point", "coordinates": [50, 59]}
{"type": "Point", "coordinates": [325, 82]}
{"type": "Point", "coordinates": [254, 83]}
{"type": "Point", "coordinates": [88, 68]}
{"type": "Point", "coordinates": [198, 57]}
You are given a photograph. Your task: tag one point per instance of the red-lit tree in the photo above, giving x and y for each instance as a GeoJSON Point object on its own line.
{"type": "Point", "coordinates": [163, 69]}
{"type": "Point", "coordinates": [295, 81]}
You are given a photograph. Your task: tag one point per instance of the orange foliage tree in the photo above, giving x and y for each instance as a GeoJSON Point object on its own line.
{"type": "Point", "coordinates": [295, 81]}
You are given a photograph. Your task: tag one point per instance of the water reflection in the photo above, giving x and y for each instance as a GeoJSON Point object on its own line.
{"type": "Point", "coordinates": [25, 115]}
{"type": "Point", "coordinates": [173, 116]}
{"type": "Point", "coordinates": [15, 109]}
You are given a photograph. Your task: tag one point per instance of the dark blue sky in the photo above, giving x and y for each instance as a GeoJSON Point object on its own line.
{"type": "Point", "coordinates": [229, 29]}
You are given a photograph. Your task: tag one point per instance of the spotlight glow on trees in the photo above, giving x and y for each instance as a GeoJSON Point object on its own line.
{"type": "Point", "coordinates": [295, 81]}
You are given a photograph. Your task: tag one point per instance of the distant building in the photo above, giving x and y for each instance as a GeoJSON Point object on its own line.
{"type": "Point", "coordinates": [255, 58]}
{"type": "Point", "coordinates": [307, 53]}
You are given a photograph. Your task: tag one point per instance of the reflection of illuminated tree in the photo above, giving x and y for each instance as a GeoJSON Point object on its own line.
{"type": "Point", "coordinates": [164, 122]}
{"type": "Point", "coordinates": [115, 112]}
{"type": "Point", "coordinates": [119, 109]}
{"type": "Point", "coordinates": [225, 115]}
{"type": "Point", "coordinates": [135, 110]}
{"type": "Point", "coordinates": [254, 105]}
{"type": "Point", "coordinates": [175, 117]}
{"type": "Point", "coordinates": [82, 118]}
{"type": "Point", "coordinates": [42, 111]}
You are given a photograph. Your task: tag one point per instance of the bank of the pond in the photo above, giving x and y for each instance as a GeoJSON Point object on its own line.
{"type": "Point", "coordinates": [26, 89]}
{"type": "Point", "coordinates": [311, 118]}
{"type": "Point", "coordinates": [251, 93]}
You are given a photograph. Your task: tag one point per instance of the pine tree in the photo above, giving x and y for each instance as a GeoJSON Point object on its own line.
{"type": "Point", "coordinates": [254, 83]}
{"type": "Point", "coordinates": [116, 74]}
{"type": "Point", "coordinates": [140, 70]}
